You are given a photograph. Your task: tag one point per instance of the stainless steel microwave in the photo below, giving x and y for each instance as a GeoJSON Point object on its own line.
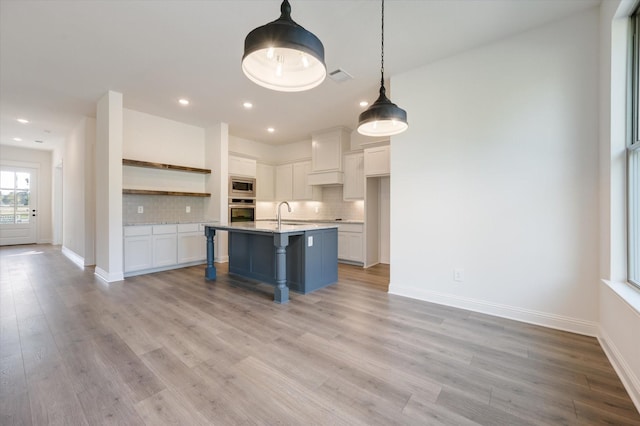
{"type": "Point", "coordinates": [242, 187]}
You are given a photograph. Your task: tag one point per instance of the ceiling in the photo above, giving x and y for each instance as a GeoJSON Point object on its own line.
{"type": "Point", "coordinates": [57, 58]}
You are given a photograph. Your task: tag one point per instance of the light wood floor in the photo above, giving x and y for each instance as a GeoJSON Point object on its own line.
{"type": "Point", "coordinates": [171, 348]}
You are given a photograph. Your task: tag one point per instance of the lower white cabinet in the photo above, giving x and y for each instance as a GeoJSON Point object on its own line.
{"type": "Point", "coordinates": [192, 244]}
{"type": "Point", "coordinates": [149, 248]}
{"type": "Point", "coordinates": [350, 242]}
{"type": "Point", "coordinates": [165, 245]}
{"type": "Point", "coordinates": [137, 248]}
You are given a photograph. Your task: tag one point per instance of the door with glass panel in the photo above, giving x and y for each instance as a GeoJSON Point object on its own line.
{"type": "Point", "coordinates": [18, 212]}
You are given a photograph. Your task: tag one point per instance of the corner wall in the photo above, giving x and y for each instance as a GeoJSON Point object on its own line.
{"type": "Point", "coordinates": [498, 174]}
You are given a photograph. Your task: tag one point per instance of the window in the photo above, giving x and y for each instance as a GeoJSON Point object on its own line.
{"type": "Point", "coordinates": [14, 197]}
{"type": "Point", "coordinates": [633, 156]}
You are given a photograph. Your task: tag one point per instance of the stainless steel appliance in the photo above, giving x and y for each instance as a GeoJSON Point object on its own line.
{"type": "Point", "coordinates": [242, 187]}
{"type": "Point", "coordinates": [242, 209]}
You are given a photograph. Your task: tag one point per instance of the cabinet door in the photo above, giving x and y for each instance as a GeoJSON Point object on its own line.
{"type": "Point", "coordinates": [165, 250]}
{"type": "Point", "coordinates": [376, 161]}
{"type": "Point", "coordinates": [239, 166]}
{"type": "Point", "coordinates": [192, 247]}
{"type": "Point", "coordinates": [137, 253]}
{"type": "Point", "coordinates": [353, 188]}
{"type": "Point", "coordinates": [301, 189]}
{"type": "Point", "coordinates": [343, 245]}
{"type": "Point", "coordinates": [284, 182]}
{"type": "Point", "coordinates": [355, 247]}
{"type": "Point", "coordinates": [327, 148]}
{"type": "Point", "coordinates": [265, 183]}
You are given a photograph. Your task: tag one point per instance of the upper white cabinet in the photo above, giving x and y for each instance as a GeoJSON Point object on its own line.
{"type": "Point", "coordinates": [265, 182]}
{"type": "Point", "coordinates": [240, 166]}
{"type": "Point", "coordinates": [376, 161]}
{"type": "Point", "coordinates": [284, 182]}
{"type": "Point", "coordinates": [327, 149]}
{"type": "Point", "coordinates": [292, 183]}
{"type": "Point", "coordinates": [353, 188]}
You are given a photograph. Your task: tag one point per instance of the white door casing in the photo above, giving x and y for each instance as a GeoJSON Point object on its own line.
{"type": "Point", "coordinates": [18, 205]}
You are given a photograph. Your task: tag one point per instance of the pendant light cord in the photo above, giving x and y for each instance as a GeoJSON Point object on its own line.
{"type": "Point", "coordinates": [382, 51]}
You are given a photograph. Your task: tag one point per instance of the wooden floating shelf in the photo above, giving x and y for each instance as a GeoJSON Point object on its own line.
{"type": "Point", "coordinates": [153, 192]}
{"type": "Point", "coordinates": [149, 165]}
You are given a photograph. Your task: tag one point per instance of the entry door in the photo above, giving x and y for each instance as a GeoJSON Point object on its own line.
{"type": "Point", "coordinates": [17, 205]}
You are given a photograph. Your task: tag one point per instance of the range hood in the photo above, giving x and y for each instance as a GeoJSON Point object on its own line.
{"type": "Point", "coordinates": [325, 178]}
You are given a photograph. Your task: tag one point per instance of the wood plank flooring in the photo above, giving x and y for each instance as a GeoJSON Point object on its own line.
{"type": "Point", "coordinates": [172, 348]}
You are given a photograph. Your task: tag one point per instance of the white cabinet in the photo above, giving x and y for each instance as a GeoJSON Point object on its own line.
{"type": "Point", "coordinates": [326, 156]}
{"type": "Point", "coordinates": [192, 244]}
{"type": "Point", "coordinates": [350, 242]}
{"type": "Point", "coordinates": [240, 166]}
{"type": "Point", "coordinates": [301, 188]}
{"type": "Point", "coordinates": [353, 188]}
{"type": "Point", "coordinates": [284, 182]}
{"type": "Point", "coordinates": [165, 245]}
{"type": "Point", "coordinates": [137, 248]}
{"type": "Point", "coordinates": [292, 183]}
{"type": "Point", "coordinates": [376, 161]}
{"type": "Point", "coordinates": [265, 182]}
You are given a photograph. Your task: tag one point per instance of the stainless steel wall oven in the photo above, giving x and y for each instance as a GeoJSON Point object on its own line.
{"type": "Point", "coordinates": [242, 209]}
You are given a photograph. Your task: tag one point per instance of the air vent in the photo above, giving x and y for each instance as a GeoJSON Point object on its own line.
{"type": "Point", "coordinates": [340, 75]}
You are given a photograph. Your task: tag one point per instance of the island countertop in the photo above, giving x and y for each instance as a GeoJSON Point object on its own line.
{"type": "Point", "coordinates": [269, 227]}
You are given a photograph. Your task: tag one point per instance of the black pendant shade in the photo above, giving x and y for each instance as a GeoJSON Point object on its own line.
{"type": "Point", "coordinates": [284, 56]}
{"type": "Point", "coordinates": [383, 117]}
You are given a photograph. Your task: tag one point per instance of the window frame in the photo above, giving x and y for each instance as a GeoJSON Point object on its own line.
{"type": "Point", "coordinates": [633, 153]}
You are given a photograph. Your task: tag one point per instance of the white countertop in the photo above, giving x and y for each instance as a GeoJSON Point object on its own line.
{"type": "Point", "coordinates": [272, 227]}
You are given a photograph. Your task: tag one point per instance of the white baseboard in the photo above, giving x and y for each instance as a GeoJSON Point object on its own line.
{"type": "Point", "coordinates": [107, 277]}
{"type": "Point", "coordinates": [559, 322]}
{"type": "Point", "coordinates": [630, 381]}
{"type": "Point", "coordinates": [45, 241]}
{"type": "Point", "coordinates": [222, 259]}
{"type": "Point", "coordinates": [73, 256]}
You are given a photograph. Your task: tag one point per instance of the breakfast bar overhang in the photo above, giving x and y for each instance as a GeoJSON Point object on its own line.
{"type": "Point", "coordinates": [303, 257]}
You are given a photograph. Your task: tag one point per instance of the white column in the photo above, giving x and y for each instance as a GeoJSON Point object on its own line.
{"type": "Point", "coordinates": [216, 147]}
{"type": "Point", "coordinates": [108, 182]}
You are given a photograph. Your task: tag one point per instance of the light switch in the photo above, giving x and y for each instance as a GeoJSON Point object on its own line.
{"type": "Point", "coordinates": [188, 209]}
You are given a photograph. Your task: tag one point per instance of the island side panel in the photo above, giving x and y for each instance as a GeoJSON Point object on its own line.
{"type": "Point", "coordinates": [252, 256]}
{"type": "Point", "coordinates": [321, 259]}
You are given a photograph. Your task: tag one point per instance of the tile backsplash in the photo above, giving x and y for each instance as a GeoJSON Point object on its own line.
{"type": "Point", "coordinates": [161, 208]}
{"type": "Point", "coordinates": [331, 207]}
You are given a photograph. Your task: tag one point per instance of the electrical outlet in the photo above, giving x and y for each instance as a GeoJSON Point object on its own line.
{"type": "Point", "coordinates": [188, 209]}
{"type": "Point", "coordinates": [458, 274]}
{"type": "Point", "coordinates": [310, 241]}
{"type": "Point", "coordinates": [140, 209]}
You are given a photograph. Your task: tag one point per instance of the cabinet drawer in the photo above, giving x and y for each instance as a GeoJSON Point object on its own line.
{"type": "Point", "coordinates": [164, 229]}
{"type": "Point", "coordinates": [188, 227]}
{"type": "Point", "coordinates": [349, 227]}
{"type": "Point", "coordinates": [134, 231]}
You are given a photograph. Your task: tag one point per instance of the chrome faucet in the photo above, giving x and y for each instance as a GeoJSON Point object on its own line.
{"type": "Point", "coordinates": [280, 214]}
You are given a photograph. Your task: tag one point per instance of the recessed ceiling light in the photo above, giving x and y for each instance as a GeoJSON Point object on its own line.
{"type": "Point", "coordinates": [364, 103]}
{"type": "Point", "coordinates": [22, 120]}
{"type": "Point", "coordinates": [247, 105]}
{"type": "Point", "coordinates": [17, 139]}
{"type": "Point", "coordinates": [183, 101]}
{"type": "Point", "coordinates": [271, 129]}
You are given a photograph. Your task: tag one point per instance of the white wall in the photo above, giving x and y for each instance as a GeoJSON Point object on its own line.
{"type": "Point", "coordinates": [498, 173]}
{"type": "Point", "coordinates": [78, 193]}
{"type": "Point", "coordinates": [41, 160]}
{"type": "Point", "coordinates": [155, 139]}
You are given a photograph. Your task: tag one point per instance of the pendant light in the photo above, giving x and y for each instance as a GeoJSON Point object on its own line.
{"type": "Point", "coordinates": [284, 56]}
{"type": "Point", "coordinates": [383, 117]}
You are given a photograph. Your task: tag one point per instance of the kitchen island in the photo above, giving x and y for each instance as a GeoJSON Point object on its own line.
{"type": "Point", "coordinates": [300, 257]}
